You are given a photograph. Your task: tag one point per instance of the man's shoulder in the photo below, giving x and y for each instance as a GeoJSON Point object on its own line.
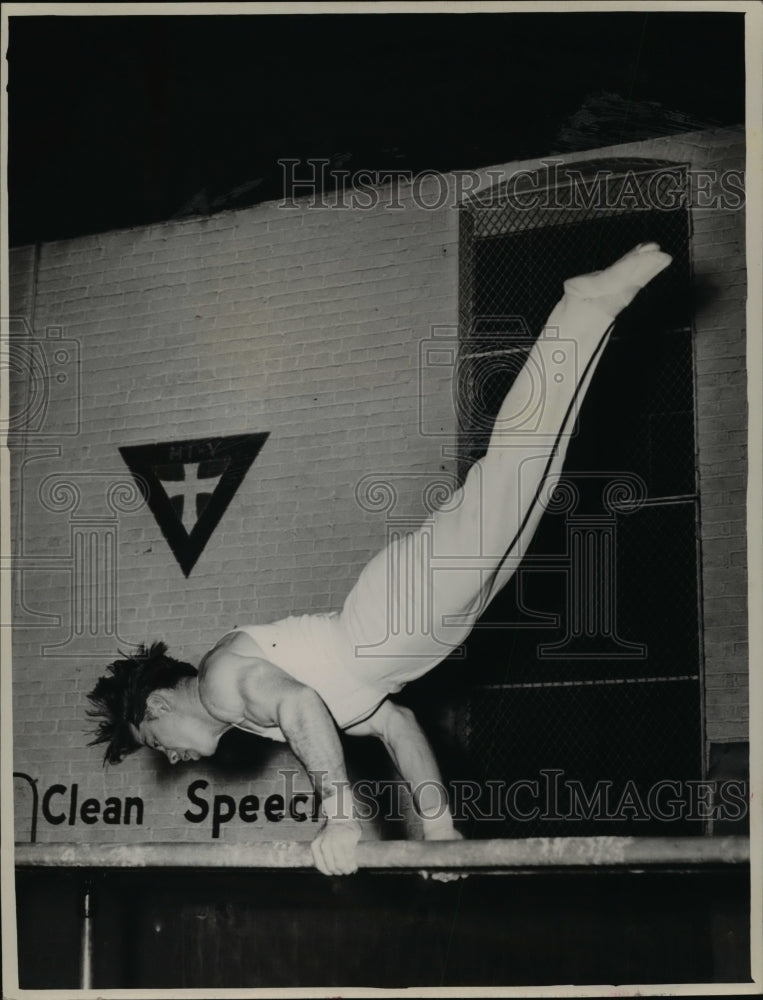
{"type": "Point", "coordinates": [218, 685]}
{"type": "Point", "coordinates": [220, 677]}
{"type": "Point", "coordinates": [227, 674]}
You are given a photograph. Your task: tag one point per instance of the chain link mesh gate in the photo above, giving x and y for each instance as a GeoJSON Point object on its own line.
{"type": "Point", "coordinates": [615, 708]}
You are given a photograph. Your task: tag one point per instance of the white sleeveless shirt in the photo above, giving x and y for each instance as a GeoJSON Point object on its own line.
{"type": "Point", "coordinates": [314, 650]}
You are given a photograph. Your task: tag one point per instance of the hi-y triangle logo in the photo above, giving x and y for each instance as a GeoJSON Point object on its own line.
{"type": "Point", "coordinates": [190, 484]}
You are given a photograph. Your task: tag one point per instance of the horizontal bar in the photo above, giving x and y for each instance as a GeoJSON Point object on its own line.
{"type": "Point", "coordinates": [530, 852]}
{"type": "Point", "coordinates": [593, 682]}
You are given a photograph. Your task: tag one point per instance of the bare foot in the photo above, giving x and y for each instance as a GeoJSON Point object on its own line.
{"type": "Point", "coordinates": [616, 286]}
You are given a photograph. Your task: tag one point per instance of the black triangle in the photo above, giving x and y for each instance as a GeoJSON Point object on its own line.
{"type": "Point", "coordinates": [234, 455]}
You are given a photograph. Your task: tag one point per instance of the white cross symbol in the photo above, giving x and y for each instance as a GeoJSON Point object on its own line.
{"type": "Point", "coordinates": [188, 491]}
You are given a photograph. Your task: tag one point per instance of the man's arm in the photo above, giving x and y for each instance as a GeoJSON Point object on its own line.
{"type": "Point", "coordinates": [396, 726]}
{"type": "Point", "coordinates": [271, 695]}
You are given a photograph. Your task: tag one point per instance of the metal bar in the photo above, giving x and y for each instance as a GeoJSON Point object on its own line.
{"type": "Point", "coordinates": [659, 501]}
{"type": "Point", "coordinates": [86, 944]}
{"type": "Point", "coordinates": [593, 682]}
{"type": "Point", "coordinates": [531, 852]}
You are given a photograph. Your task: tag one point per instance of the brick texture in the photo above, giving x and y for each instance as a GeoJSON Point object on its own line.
{"type": "Point", "coordinates": [305, 323]}
{"type": "Point", "coordinates": [302, 323]}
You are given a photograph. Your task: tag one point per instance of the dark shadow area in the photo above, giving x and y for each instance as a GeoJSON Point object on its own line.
{"type": "Point", "coordinates": [589, 661]}
{"type": "Point", "coordinates": [170, 928]}
{"type": "Point", "coordinates": [127, 120]}
{"type": "Point", "coordinates": [730, 762]}
{"type": "Point", "coordinates": [239, 752]}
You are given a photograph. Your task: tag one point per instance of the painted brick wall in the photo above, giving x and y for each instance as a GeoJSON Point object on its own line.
{"type": "Point", "coordinates": [721, 395]}
{"type": "Point", "coordinates": [305, 323]}
{"type": "Point", "coordinates": [302, 323]}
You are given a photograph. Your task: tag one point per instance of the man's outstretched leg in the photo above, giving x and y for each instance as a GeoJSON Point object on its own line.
{"type": "Point", "coordinates": [470, 547]}
{"type": "Point", "coordinates": [514, 485]}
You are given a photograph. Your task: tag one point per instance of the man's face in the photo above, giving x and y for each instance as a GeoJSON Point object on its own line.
{"type": "Point", "coordinates": [179, 737]}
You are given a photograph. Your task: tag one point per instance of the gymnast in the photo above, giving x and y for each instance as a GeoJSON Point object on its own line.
{"type": "Point", "coordinates": [301, 679]}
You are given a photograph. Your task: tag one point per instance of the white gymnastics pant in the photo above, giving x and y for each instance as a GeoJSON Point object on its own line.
{"type": "Point", "coordinates": [419, 597]}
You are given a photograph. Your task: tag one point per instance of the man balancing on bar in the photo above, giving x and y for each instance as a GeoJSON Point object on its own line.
{"type": "Point", "coordinates": [302, 678]}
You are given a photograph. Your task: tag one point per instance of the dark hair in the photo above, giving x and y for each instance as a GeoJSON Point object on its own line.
{"type": "Point", "coordinates": [119, 698]}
